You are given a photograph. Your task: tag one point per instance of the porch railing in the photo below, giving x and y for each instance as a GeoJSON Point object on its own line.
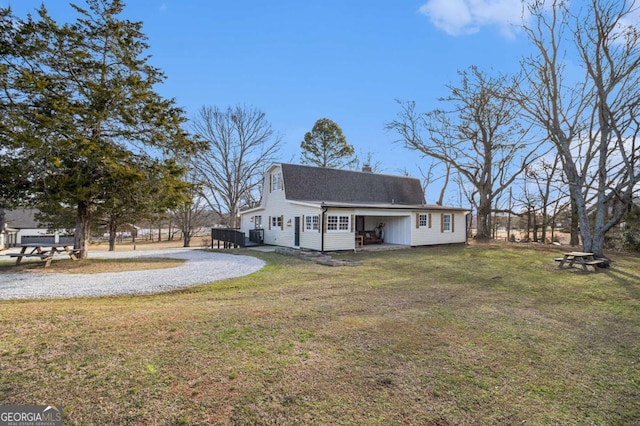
{"type": "Point", "coordinates": [229, 237]}
{"type": "Point", "coordinates": [256, 236]}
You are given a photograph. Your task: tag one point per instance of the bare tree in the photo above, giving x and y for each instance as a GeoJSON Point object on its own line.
{"type": "Point", "coordinates": [592, 120]}
{"type": "Point", "coordinates": [191, 217]}
{"type": "Point", "coordinates": [481, 137]}
{"type": "Point", "coordinates": [375, 166]}
{"type": "Point", "coordinates": [240, 146]}
{"type": "Point", "coordinates": [431, 174]}
{"type": "Point", "coordinates": [544, 177]}
{"type": "Point", "coordinates": [530, 200]}
{"type": "Point", "coordinates": [427, 176]}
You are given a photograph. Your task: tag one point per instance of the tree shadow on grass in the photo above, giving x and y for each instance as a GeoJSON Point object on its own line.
{"type": "Point", "coordinates": [630, 281]}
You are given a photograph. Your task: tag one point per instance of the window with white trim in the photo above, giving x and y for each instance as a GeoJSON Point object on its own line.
{"type": "Point", "coordinates": [311, 223]}
{"type": "Point", "coordinates": [276, 182]}
{"type": "Point", "coordinates": [276, 222]}
{"type": "Point", "coordinates": [446, 223]}
{"type": "Point", "coordinates": [423, 220]}
{"type": "Point", "coordinates": [338, 223]}
{"type": "Point", "coordinates": [257, 222]}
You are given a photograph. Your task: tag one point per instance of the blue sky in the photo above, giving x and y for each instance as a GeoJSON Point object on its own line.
{"type": "Point", "coordinates": [298, 61]}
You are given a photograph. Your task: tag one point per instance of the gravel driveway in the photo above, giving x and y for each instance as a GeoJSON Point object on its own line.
{"type": "Point", "coordinates": [201, 267]}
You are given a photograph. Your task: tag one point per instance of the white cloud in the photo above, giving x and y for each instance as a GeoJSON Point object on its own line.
{"type": "Point", "coordinates": [629, 23]}
{"type": "Point", "coordinates": [459, 17]}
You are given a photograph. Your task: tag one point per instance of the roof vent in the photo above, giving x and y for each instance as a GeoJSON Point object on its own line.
{"type": "Point", "coordinates": [367, 168]}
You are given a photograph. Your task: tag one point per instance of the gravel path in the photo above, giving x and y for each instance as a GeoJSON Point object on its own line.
{"type": "Point", "coordinates": [201, 267]}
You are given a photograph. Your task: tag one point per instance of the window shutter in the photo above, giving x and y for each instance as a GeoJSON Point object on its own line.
{"type": "Point", "coordinates": [429, 220]}
{"type": "Point", "coordinates": [304, 224]}
{"type": "Point", "coordinates": [319, 223]}
{"type": "Point", "coordinates": [441, 222]}
{"type": "Point", "coordinates": [417, 220]}
{"type": "Point", "coordinates": [269, 222]}
{"type": "Point", "coordinates": [281, 222]}
{"type": "Point", "coordinates": [453, 227]}
{"type": "Point", "coordinates": [270, 177]}
{"type": "Point", "coordinates": [352, 220]}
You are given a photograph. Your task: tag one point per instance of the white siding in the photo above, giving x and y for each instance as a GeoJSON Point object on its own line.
{"type": "Point", "coordinates": [310, 239]}
{"type": "Point", "coordinates": [428, 236]}
{"type": "Point", "coordinates": [340, 240]}
{"type": "Point", "coordinates": [337, 242]}
{"type": "Point", "coordinates": [275, 204]}
{"type": "Point", "coordinates": [286, 236]}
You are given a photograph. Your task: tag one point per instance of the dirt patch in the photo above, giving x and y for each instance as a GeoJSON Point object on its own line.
{"type": "Point", "coordinates": [93, 266]}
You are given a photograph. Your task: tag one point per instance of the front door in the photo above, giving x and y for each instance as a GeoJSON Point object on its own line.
{"type": "Point", "coordinates": [296, 232]}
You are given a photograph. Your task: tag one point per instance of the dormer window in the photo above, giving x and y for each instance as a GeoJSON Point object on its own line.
{"type": "Point", "coordinates": [276, 182]}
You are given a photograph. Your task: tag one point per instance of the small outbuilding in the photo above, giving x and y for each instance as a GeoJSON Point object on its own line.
{"type": "Point", "coordinates": [20, 226]}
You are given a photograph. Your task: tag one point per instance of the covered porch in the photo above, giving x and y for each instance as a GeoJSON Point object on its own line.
{"type": "Point", "coordinates": [374, 228]}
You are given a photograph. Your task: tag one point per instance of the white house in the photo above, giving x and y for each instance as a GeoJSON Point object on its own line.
{"type": "Point", "coordinates": [329, 209]}
{"type": "Point", "coordinates": [20, 226]}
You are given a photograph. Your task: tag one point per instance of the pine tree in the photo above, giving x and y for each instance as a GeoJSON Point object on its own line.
{"type": "Point", "coordinates": [79, 104]}
{"type": "Point", "coordinates": [326, 146]}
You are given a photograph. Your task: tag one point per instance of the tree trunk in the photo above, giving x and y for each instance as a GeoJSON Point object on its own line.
{"type": "Point", "coordinates": [186, 228]}
{"type": "Point", "coordinates": [484, 210]}
{"type": "Point", "coordinates": [597, 247]}
{"type": "Point", "coordinates": [444, 186]}
{"type": "Point", "coordinates": [545, 222]}
{"type": "Point", "coordinates": [528, 223]}
{"type": "Point", "coordinates": [113, 230]}
{"type": "Point", "coordinates": [233, 219]}
{"type": "Point", "coordinates": [575, 227]}
{"type": "Point", "coordinates": [583, 220]}
{"type": "Point", "coordinates": [494, 226]}
{"type": "Point", "coordinates": [83, 229]}
{"type": "Point", "coordinates": [509, 217]}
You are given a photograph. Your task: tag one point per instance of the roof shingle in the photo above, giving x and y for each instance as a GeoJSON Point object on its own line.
{"type": "Point", "coordinates": [306, 183]}
{"type": "Point", "coordinates": [22, 219]}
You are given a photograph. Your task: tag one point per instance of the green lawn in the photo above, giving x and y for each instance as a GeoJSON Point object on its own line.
{"type": "Point", "coordinates": [435, 336]}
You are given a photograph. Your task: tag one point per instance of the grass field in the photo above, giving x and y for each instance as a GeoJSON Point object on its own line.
{"type": "Point", "coordinates": [424, 336]}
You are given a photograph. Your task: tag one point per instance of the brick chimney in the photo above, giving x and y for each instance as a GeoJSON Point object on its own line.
{"type": "Point", "coordinates": [367, 168]}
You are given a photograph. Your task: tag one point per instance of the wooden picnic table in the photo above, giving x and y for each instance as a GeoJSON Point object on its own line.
{"type": "Point", "coordinates": [583, 259]}
{"type": "Point", "coordinates": [45, 251]}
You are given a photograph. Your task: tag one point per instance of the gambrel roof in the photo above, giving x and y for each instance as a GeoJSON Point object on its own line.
{"type": "Point", "coordinates": [22, 219]}
{"type": "Point", "coordinates": [318, 184]}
